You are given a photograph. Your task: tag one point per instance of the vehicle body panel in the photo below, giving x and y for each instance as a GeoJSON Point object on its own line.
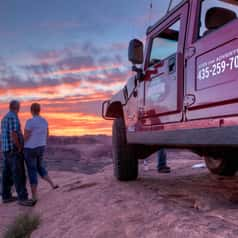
{"type": "Point", "coordinates": [212, 72]}
{"type": "Point", "coordinates": [195, 105]}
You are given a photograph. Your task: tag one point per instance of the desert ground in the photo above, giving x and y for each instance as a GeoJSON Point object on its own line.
{"type": "Point", "coordinates": [188, 202]}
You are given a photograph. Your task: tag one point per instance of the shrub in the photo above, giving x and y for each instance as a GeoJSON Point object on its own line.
{"type": "Point", "coordinates": [23, 226]}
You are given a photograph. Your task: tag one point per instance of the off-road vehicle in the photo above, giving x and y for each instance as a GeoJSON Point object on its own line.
{"type": "Point", "coordinates": [184, 93]}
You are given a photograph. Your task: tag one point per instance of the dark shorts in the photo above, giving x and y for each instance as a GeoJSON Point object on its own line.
{"type": "Point", "coordinates": [35, 163]}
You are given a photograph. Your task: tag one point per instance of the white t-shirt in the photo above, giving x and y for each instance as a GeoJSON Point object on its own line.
{"type": "Point", "coordinates": [38, 128]}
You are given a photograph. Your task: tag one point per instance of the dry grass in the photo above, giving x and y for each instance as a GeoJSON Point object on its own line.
{"type": "Point", "coordinates": [23, 226]}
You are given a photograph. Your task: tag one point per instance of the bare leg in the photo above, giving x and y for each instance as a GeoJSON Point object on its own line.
{"type": "Point", "coordinates": [48, 179]}
{"type": "Point", "coordinates": [34, 192]}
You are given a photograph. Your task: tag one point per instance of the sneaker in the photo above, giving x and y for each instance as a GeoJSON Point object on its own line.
{"type": "Point", "coordinates": [9, 200]}
{"type": "Point", "coordinates": [26, 203]}
{"type": "Point", "coordinates": [164, 169]}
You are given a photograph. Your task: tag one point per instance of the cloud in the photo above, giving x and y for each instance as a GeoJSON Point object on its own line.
{"type": "Point", "coordinates": [48, 56]}
{"type": "Point", "coordinates": [76, 62]}
{"type": "Point", "coordinates": [66, 64]}
{"type": "Point", "coordinates": [109, 78]}
{"type": "Point", "coordinates": [71, 124]}
{"type": "Point", "coordinates": [89, 48]}
{"type": "Point", "coordinates": [81, 70]}
{"type": "Point", "coordinates": [119, 46]}
{"type": "Point", "coordinates": [16, 82]}
{"type": "Point", "coordinates": [51, 56]}
{"type": "Point", "coordinates": [69, 57]}
{"type": "Point", "coordinates": [109, 59]}
{"type": "Point", "coordinates": [68, 117]}
{"type": "Point", "coordinates": [72, 65]}
{"type": "Point", "coordinates": [90, 104]}
{"type": "Point", "coordinates": [68, 75]}
{"type": "Point", "coordinates": [69, 84]}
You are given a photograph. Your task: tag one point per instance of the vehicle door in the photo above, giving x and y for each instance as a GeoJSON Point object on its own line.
{"type": "Point", "coordinates": [212, 60]}
{"type": "Point", "coordinates": [164, 73]}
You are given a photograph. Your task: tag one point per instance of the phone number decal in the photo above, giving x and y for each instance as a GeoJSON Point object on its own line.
{"type": "Point", "coordinates": [218, 66]}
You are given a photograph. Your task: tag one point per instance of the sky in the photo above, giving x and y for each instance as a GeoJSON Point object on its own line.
{"type": "Point", "coordinates": [69, 56]}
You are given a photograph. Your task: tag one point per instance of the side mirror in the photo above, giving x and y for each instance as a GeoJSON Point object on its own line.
{"type": "Point", "coordinates": [135, 52]}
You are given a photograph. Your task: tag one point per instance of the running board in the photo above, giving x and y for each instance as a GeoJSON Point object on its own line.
{"type": "Point", "coordinates": [205, 137]}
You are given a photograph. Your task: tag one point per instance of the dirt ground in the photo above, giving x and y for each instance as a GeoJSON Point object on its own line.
{"type": "Point", "coordinates": [91, 203]}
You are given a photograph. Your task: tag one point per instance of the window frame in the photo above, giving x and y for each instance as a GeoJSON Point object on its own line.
{"type": "Point", "coordinates": [157, 33]}
{"type": "Point", "coordinates": [197, 36]}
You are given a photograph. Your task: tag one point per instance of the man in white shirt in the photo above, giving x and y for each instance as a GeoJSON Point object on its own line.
{"type": "Point", "coordinates": [35, 136]}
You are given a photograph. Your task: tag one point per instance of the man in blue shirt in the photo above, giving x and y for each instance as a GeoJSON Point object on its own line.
{"type": "Point", "coordinates": [13, 160]}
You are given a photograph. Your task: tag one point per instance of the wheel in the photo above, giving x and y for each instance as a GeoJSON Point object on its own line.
{"type": "Point", "coordinates": [124, 155]}
{"type": "Point", "coordinates": [225, 166]}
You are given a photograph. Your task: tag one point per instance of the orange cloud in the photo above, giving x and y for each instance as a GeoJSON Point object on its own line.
{"type": "Point", "coordinates": [65, 123]}
{"type": "Point", "coordinates": [72, 108]}
{"type": "Point", "coordinates": [73, 124]}
{"type": "Point", "coordinates": [41, 91]}
{"type": "Point", "coordinates": [79, 70]}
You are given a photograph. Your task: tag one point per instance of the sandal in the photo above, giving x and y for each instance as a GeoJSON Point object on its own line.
{"type": "Point", "coordinates": [26, 203]}
{"type": "Point", "coordinates": [34, 201]}
{"type": "Point", "coordinates": [56, 186]}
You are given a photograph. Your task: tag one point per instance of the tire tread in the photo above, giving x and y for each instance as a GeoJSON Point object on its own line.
{"type": "Point", "coordinates": [125, 161]}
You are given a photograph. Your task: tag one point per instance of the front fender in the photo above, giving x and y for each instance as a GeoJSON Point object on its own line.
{"type": "Point", "coordinates": [113, 108]}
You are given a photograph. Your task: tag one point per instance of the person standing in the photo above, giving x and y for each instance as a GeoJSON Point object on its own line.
{"type": "Point", "coordinates": [162, 162]}
{"type": "Point", "coordinates": [35, 135]}
{"type": "Point", "coordinates": [13, 171]}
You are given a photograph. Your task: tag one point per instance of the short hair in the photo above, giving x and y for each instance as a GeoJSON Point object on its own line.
{"type": "Point", "coordinates": [35, 108]}
{"type": "Point", "coordinates": [14, 105]}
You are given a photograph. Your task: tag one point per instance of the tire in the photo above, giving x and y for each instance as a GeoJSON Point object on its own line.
{"type": "Point", "coordinates": [224, 166]}
{"type": "Point", "coordinates": [124, 155]}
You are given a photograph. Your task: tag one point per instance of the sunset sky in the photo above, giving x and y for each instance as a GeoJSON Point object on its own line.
{"type": "Point", "coordinates": [69, 56]}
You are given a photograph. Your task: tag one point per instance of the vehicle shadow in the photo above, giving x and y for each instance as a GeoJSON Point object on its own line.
{"type": "Point", "coordinates": [202, 191]}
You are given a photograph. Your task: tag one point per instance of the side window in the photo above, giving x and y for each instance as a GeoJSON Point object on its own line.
{"type": "Point", "coordinates": [165, 44]}
{"type": "Point", "coordinates": [215, 14]}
